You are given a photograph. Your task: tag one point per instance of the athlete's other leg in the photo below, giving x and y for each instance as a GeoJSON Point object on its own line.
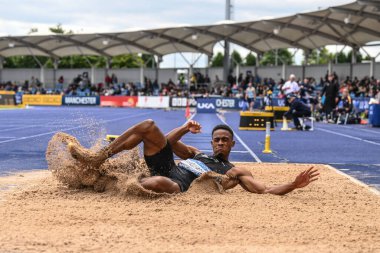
{"type": "Point", "coordinates": [154, 141]}
{"type": "Point", "coordinates": [160, 184]}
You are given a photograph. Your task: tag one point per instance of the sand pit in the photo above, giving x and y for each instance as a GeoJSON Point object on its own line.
{"type": "Point", "coordinates": [331, 215]}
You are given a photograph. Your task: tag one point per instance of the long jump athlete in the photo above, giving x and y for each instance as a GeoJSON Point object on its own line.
{"type": "Point", "coordinates": [167, 176]}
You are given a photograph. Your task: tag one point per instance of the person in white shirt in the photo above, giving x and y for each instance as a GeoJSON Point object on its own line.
{"type": "Point", "coordinates": [291, 86]}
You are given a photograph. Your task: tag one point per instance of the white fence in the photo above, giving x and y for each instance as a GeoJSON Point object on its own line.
{"type": "Point", "coordinates": [134, 75]}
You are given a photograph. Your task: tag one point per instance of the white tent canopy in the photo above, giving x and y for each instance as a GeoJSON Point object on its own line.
{"type": "Point", "coordinates": [353, 24]}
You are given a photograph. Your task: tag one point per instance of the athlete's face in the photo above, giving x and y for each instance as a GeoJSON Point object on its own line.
{"type": "Point", "coordinates": [222, 143]}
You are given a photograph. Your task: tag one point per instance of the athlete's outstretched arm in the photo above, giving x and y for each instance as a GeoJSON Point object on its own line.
{"type": "Point", "coordinates": [246, 180]}
{"type": "Point", "coordinates": [182, 150]}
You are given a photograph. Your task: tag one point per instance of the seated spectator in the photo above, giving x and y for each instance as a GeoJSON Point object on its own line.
{"type": "Point", "coordinates": [291, 86]}
{"type": "Point", "coordinates": [344, 106]}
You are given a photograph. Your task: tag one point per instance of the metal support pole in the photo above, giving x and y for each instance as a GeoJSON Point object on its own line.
{"type": "Point", "coordinates": [258, 59]}
{"type": "Point", "coordinates": [142, 75]}
{"type": "Point", "coordinates": [276, 57]}
{"type": "Point", "coordinates": [353, 55]}
{"type": "Point", "coordinates": [108, 65]}
{"type": "Point", "coordinates": [353, 61]}
{"type": "Point", "coordinates": [92, 75]}
{"type": "Point", "coordinates": [1, 68]}
{"type": "Point", "coordinates": [330, 67]}
{"type": "Point", "coordinates": [55, 68]}
{"type": "Point", "coordinates": [306, 60]}
{"type": "Point", "coordinates": [159, 60]}
{"type": "Point", "coordinates": [226, 60]}
{"type": "Point", "coordinates": [351, 70]}
{"type": "Point", "coordinates": [237, 73]}
{"type": "Point", "coordinates": [190, 73]}
{"type": "Point", "coordinates": [372, 67]}
{"type": "Point", "coordinates": [283, 74]}
{"type": "Point", "coordinates": [42, 75]}
{"type": "Point", "coordinates": [208, 57]}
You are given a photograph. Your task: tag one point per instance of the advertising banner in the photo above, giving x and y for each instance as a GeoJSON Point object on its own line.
{"type": "Point", "coordinates": [7, 98]}
{"type": "Point", "coordinates": [80, 100]}
{"type": "Point", "coordinates": [181, 102]}
{"type": "Point", "coordinates": [206, 105]}
{"type": "Point", "coordinates": [153, 102]}
{"type": "Point", "coordinates": [42, 100]}
{"type": "Point", "coordinates": [361, 104]}
{"type": "Point", "coordinates": [118, 101]}
{"type": "Point", "coordinates": [227, 103]}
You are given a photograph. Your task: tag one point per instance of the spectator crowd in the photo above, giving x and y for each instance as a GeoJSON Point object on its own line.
{"type": "Point", "coordinates": [322, 95]}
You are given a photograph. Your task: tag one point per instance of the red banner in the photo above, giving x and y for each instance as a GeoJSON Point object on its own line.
{"type": "Point", "coordinates": [118, 101]}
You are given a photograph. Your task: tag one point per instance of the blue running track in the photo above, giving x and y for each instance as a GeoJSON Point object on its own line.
{"type": "Point", "coordinates": [24, 134]}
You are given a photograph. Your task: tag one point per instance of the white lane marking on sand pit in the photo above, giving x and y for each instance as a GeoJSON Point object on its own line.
{"type": "Point", "coordinates": [354, 180]}
{"type": "Point", "coordinates": [348, 136]}
{"type": "Point", "coordinates": [72, 128]}
{"type": "Point", "coordinates": [241, 141]}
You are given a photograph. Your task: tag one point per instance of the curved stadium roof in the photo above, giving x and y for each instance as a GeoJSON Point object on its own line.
{"type": "Point", "coordinates": [353, 24]}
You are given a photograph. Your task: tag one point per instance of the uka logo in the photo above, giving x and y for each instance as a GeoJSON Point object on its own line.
{"type": "Point", "coordinates": [206, 106]}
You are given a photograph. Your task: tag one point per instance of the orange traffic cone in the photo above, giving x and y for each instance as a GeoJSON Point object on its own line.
{"type": "Point", "coordinates": [187, 111]}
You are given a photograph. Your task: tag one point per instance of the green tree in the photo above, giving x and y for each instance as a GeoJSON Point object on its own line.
{"type": "Point", "coordinates": [217, 60]}
{"type": "Point", "coordinates": [342, 57]}
{"type": "Point", "coordinates": [236, 58]}
{"type": "Point", "coordinates": [284, 56]}
{"type": "Point", "coordinates": [323, 56]}
{"type": "Point", "coordinates": [149, 60]}
{"type": "Point", "coordinates": [250, 60]}
{"type": "Point", "coordinates": [58, 29]}
{"type": "Point", "coordinates": [367, 58]}
{"type": "Point", "coordinates": [79, 61]}
{"type": "Point", "coordinates": [359, 56]}
{"type": "Point", "coordinates": [127, 61]}
{"type": "Point", "coordinates": [27, 61]}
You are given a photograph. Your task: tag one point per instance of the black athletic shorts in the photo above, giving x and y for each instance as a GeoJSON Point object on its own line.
{"type": "Point", "coordinates": [162, 164]}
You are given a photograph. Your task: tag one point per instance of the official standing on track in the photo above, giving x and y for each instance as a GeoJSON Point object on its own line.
{"type": "Point", "coordinates": [331, 92]}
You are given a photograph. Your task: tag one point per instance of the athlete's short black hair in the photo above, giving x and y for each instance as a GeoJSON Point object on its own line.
{"type": "Point", "coordinates": [224, 127]}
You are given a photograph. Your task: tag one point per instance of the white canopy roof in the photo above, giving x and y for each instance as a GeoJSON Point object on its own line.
{"type": "Point", "coordinates": [353, 24]}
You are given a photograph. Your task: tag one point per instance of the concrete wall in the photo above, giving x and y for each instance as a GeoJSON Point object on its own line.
{"type": "Point", "coordinates": [133, 75]}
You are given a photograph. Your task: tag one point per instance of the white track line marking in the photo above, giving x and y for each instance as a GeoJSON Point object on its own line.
{"type": "Point", "coordinates": [191, 117]}
{"type": "Point", "coordinates": [72, 128]}
{"type": "Point", "coordinates": [354, 180]}
{"type": "Point", "coordinates": [241, 141]}
{"type": "Point", "coordinates": [17, 128]}
{"type": "Point", "coordinates": [348, 136]}
{"type": "Point", "coordinates": [362, 129]}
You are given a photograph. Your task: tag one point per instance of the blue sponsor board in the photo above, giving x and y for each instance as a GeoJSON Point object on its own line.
{"type": "Point", "coordinates": [361, 104]}
{"type": "Point", "coordinates": [18, 98]}
{"type": "Point", "coordinates": [374, 115]}
{"type": "Point", "coordinates": [206, 105]}
{"type": "Point", "coordinates": [228, 103]}
{"type": "Point", "coordinates": [81, 100]}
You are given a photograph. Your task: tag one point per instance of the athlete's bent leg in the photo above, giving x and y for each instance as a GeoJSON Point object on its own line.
{"type": "Point", "coordinates": [160, 184]}
{"type": "Point", "coordinates": [146, 132]}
